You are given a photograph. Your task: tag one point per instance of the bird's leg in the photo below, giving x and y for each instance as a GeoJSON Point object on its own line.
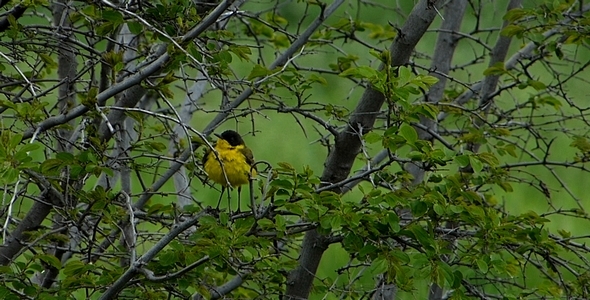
{"type": "Point", "coordinates": [239, 198]}
{"type": "Point", "coordinates": [229, 200]}
{"type": "Point", "coordinates": [220, 196]}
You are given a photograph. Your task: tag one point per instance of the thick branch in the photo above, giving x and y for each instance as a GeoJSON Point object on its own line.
{"type": "Point", "coordinates": [36, 215]}
{"type": "Point", "coordinates": [16, 12]}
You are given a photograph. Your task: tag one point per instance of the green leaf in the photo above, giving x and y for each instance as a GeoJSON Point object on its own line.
{"type": "Point", "coordinates": [428, 110]}
{"type": "Point", "coordinates": [65, 157]}
{"type": "Point", "coordinates": [316, 78]}
{"type": "Point", "coordinates": [447, 272]}
{"type": "Point", "coordinates": [457, 280]}
{"type": "Point", "coordinates": [581, 143]}
{"type": "Point", "coordinates": [282, 183]}
{"type": "Point", "coordinates": [372, 137]}
{"type": "Point", "coordinates": [15, 140]}
{"type": "Point", "coordinates": [404, 74]}
{"type": "Point", "coordinates": [439, 209]}
{"type": "Point", "coordinates": [168, 258]}
{"type": "Point", "coordinates": [74, 267]}
{"type": "Point", "coordinates": [367, 249]}
{"type": "Point", "coordinates": [223, 218]}
{"type": "Point", "coordinates": [401, 256]}
{"type": "Point", "coordinates": [496, 69]}
{"type": "Point", "coordinates": [514, 15]}
{"type": "Point", "coordinates": [30, 290]}
{"type": "Point", "coordinates": [419, 208]}
{"type": "Point", "coordinates": [409, 133]}
{"type": "Point", "coordinates": [482, 265]}
{"type": "Point", "coordinates": [49, 166]}
{"type": "Point", "coordinates": [505, 186]}
{"type": "Point", "coordinates": [512, 30]}
{"type": "Point", "coordinates": [113, 16]}
{"type": "Point", "coordinates": [223, 56]}
{"type": "Point", "coordinates": [280, 40]}
{"type": "Point", "coordinates": [551, 101]}
{"type": "Point", "coordinates": [462, 160]}
{"type": "Point", "coordinates": [243, 52]}
{"type": "Point", "coordinates": [422, 236]}
{"type": "Point", "coordinates": [379, 265]}
{"type": "Point", "coordinates": [393, 221]}
{"type": "Point", "coordinates": [428, 80]}
{"type": "Point", "coordinates": [258, 71]}
{"type": "Point", "coordinates": [475, 164]}
{"type": "Point", "coordinates": [30, 147]}
{"type": "Point", "coordinates": [488, 158]}
{"type": "Point", "coordinates": [135, 27]}
{"type": "Point", "coordinates": [363, 72]}
{"type": "Point", "coordinates": [50, 260]}
{"type": "Point", "coordinates": [47, 60]}
{"type": "Point", "coordinates": [537, 85]}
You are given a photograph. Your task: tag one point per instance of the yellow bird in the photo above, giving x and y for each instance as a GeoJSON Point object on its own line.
{"type": "Point", "coordinates": [232, 166]}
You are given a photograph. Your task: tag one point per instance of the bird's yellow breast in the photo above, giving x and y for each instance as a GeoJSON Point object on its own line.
{"type": "Point", "coordinates": [234, 163]}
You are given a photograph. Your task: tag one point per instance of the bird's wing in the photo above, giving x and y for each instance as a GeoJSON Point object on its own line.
{"type": "Point", "coordinates": [248, 155]}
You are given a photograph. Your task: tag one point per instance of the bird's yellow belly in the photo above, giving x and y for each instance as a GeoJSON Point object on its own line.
{"type": "Point", "coordinates": [237, 170]}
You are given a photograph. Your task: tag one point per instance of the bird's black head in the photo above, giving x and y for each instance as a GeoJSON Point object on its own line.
{"type": "Point", "coordinates": [232, 137]}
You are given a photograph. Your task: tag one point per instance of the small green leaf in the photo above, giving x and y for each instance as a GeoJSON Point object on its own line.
{"type": "Point", "coordinates": [514, 15]}
{"type": "Point", "coordinates": [404, 74]}
{"type": "Point", "coordinates": [168, 258]}
{"type": "Point", "coordinates": [496, 69]}
{"type": "Point", "coordinates": [316, 78]}
{"type": "Point", "coordinates": [512, 30]}
{"type": "Point", "coordinates": [15, 140]}
{"type": "Point", "coordinates": [421, 236]}
{"type": "Point", "coordinates": [47, 60]}
{"type": "Point", "coordinates": [258, 71]}
{"type": "Point", "coordinates": [462, 160]}
{"type": "Point", "coordinates": [243, 52]}
{"type": "Point", "coordinates": [458, 279]}
{"type": "Point", "coordinates": [113, 16]}
{"type": "Point", "coordinates": [363, 72]}
{"type": "Point", "coordinates": [372, 137]}
{"type": "Point", "coordinates": [447, 272]}
{"type": "Point", "coordinates": [551, 101]}
{"type": "Point", "coordinates": [393, 221]}
{"type": "Point", "coordinates": [428, 80]}
{"type": "Point", "coordinates": [282, 183]}
{"type": "Point", "coordinates": [50, 260]}
{"type": "Point", "coordinates": [439, 209]}
{"type": "Point", "coordinates": [537, 85]}
{"type": "Point", "coordinates": [135, 27]}
{"type": "Point", "coordinates": [74, 267]}
{"type": "Point", "coordinates": [475, 164]}
{"type": "Point", "coordinates": [409, 133]}
{"type": "Point", "coordinates": [482, 265]}
{"type": "Point", "coordinates": [418, 208]}
{"type": "Point", "coordinates": [65, 157]}
{"type": "Point", "coordinates": [379, 265]}
{"type": "Point", "coordinates": [30, 147]}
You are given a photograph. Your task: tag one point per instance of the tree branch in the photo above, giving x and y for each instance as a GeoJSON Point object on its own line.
{"type": "Point", "coordinates": [137, 265]}
{"type": "Point", "coordinates": [16, 12]}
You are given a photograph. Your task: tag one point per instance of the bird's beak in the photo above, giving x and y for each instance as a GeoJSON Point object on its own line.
{"type": "Point", "coordinates": [217, 135]}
